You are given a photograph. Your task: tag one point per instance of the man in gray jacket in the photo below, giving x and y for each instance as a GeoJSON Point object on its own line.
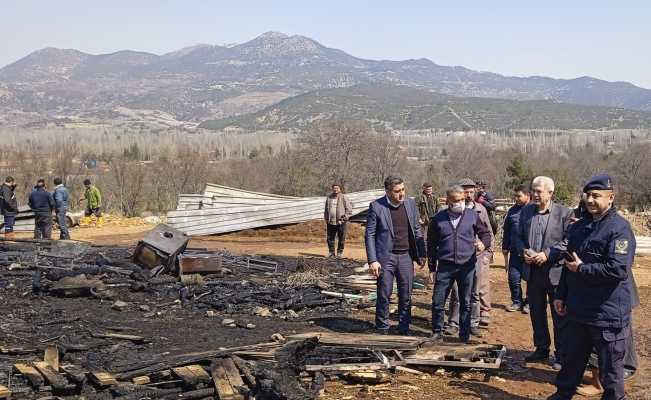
{"type": "Point", "coordinates": [539, 241]}
{"type": "Point", "coordinates": [338, 209]}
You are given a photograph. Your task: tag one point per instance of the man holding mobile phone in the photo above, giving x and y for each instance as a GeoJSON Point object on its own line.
{"type": "Point", "coordinates": [595, 293]}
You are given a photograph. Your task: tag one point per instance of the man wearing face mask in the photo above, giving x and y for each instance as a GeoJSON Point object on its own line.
{"type": "Point", "coordinates": [480, 303]}
{"type": "Point", "coordinates": [394, 246]}
{"type": "Point", "coordinates": [454, 237]}
{"type": "Point", "coordinates": [9, 205]}
{"type": "Point", "coordinates": [595, 293]}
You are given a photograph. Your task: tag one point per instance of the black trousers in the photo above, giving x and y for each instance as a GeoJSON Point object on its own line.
{"type": "Point", "coordinates": [540, 294]}
{"type": "Point", "coordinates": [610, 345]}
{"type": "Point", "coordinates": [43, 228]}
{"type": "Point", "coordinates": [336, 232]}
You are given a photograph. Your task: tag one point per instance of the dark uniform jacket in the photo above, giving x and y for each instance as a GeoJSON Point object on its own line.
{"type": "Point", "coordinates": [600, 292]}
{"type": "Point", "coordinates": [8, 202]}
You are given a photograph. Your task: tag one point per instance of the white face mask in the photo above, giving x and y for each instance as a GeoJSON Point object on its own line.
{"type": "Point", "coordinates": [458, 207]}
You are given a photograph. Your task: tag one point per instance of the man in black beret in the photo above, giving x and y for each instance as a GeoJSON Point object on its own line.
{"type": "Point", "coordinates": [594, 293]}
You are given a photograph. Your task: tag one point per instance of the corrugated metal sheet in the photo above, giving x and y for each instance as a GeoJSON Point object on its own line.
{"type": "Point", "coordinates": [222, 209]}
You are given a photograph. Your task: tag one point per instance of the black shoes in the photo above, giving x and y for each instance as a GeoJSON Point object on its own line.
{"type": "Point", "coordinates": [538, 355]}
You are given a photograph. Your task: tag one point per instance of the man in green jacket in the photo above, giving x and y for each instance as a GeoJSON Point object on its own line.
{"type": "Point", "coordinates": [93, 199]}
{"type": "Point", "coordinates": [427, 207]}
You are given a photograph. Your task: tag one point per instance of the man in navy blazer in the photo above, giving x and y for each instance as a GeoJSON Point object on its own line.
{"type": "Point", "coordinates": [394, 245]}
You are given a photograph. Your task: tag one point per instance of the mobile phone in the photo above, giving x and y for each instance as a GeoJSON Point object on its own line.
{"type": "Point", "coordinates": [568, 256]}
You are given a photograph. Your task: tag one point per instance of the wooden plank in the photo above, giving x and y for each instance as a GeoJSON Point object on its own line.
{"type": "Point", "coordinates": [120, 336]}
{"type": "Point", "coordinates": [223, 386]}
{"type": "Point", "coordinates": [191, 374]}
{"type": "Point", "coordinates": [346, 367]}
{"type": "Point", "coordinates": [33, 376]}
{"type": "Point", "coordinates": [5, 393]}
{"type": "Point", "coordinates": [486, 356]}
{"type": "Point", "coordinates": [233, 375]}
{"type": "Point", "coordinates": [75, 373]}
{"type": "Point", "coordinates": [103, 378]}
{"type": "Point", "coordinates": [371, 341]}
{"type": "Point", "coordinates": [55, 379]}
{"type": "Point", "coordinates": [52, 357]}
{"type": "Point", "coordinates": [141, 380]}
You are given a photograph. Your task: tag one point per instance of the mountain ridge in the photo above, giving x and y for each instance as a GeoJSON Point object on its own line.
{"type": "Point", "coordinates": [196, 83]}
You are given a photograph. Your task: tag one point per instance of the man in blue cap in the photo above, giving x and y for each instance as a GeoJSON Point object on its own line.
{"type": "Point", "coordinates": [595, 294]}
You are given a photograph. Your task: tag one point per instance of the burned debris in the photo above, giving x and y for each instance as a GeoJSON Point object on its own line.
{"type": "Point", "coordinates": [101, 322]}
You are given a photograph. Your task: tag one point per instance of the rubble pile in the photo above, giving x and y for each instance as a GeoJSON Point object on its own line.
{"type": "Point", "coordinates": [162, 320]}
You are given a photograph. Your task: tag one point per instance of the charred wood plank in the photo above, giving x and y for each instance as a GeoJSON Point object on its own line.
{"type": "Point", "coordinates": [222, 380]}
{"type": "Point", "coordinates": [191, 374]}
{"type": "Point", "coordinates": [55, 379]}
{"type": "Point", "coordinates": [103, 378]}
{"type": "Point", "coordinates": [33, 376]}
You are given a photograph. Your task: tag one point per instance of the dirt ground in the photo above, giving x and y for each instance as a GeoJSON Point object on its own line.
{"type": "Point", "coordinates": [515, 380]}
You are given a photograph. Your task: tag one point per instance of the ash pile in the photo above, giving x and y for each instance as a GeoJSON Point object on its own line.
{"type": "Point", "coordinates": [161, 320]}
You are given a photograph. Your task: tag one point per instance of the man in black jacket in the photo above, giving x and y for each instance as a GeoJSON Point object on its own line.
{"type": "Point", "coordinates": [42, 204]}
{"type": "Point", "coordinates": [8, 205]}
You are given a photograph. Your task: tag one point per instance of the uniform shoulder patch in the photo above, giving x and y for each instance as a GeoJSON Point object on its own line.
{"type": "Point", "coordinates": [621, 246]}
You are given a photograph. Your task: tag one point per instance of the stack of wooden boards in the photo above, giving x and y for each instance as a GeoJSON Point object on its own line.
{"type": "Point", "coordinates": [222, 209]}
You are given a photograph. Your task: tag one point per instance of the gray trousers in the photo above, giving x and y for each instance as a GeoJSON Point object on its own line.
{"type": "Point", "coordinates": [480, 303]}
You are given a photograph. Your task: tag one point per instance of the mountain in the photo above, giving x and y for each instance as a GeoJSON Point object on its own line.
{"type": "Point", "coordinates": [407, 108]}
{"type": "Point", "coordinates": [203, 82]}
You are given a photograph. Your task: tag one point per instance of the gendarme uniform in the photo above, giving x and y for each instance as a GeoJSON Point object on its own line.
{"type": "Point", "coordinates": [598, 298]}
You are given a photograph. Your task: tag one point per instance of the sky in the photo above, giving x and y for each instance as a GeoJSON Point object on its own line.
{"type": "Point", "coordinates": [561, 39]}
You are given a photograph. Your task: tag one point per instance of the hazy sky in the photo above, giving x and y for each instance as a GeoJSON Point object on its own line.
{"type": "Point", "coordinates": [563, 39]}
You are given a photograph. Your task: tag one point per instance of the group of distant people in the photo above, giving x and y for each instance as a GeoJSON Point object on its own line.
{"type": "Point", "coordinates": [44, 203]}
{"type": "Point", "coordinates": [578, 262]}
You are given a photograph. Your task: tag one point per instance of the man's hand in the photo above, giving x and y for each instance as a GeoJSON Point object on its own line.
{"type": "Point", "coordinates": [574, 265]}
{"type": "Point", "coordinates": [479, 246]}
{"type": "Point", "coordinates": [505, 253]}
{"type": "Point", "coordinates": [375, 268]}
{"type": "Point", "coordinates": [559, 306]}
{"type": "Point", "coordinates": [432, 277]}
{"type": "Point", "coordinates": [540, 258]}
{"type": "Point", "coordinates": [420, 221]}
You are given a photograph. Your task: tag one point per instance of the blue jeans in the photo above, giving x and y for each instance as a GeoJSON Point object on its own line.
{"type": "Point", "coordinates": [400, 267]}
{"type": "Point", "coordinates": [446, 275]}
{"type": "Point", "coordinates": [515, 279]}
{"type": "Point", "coordinates": [63, 226]}
{"type": "Point", "coordinates": [10, 220]}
